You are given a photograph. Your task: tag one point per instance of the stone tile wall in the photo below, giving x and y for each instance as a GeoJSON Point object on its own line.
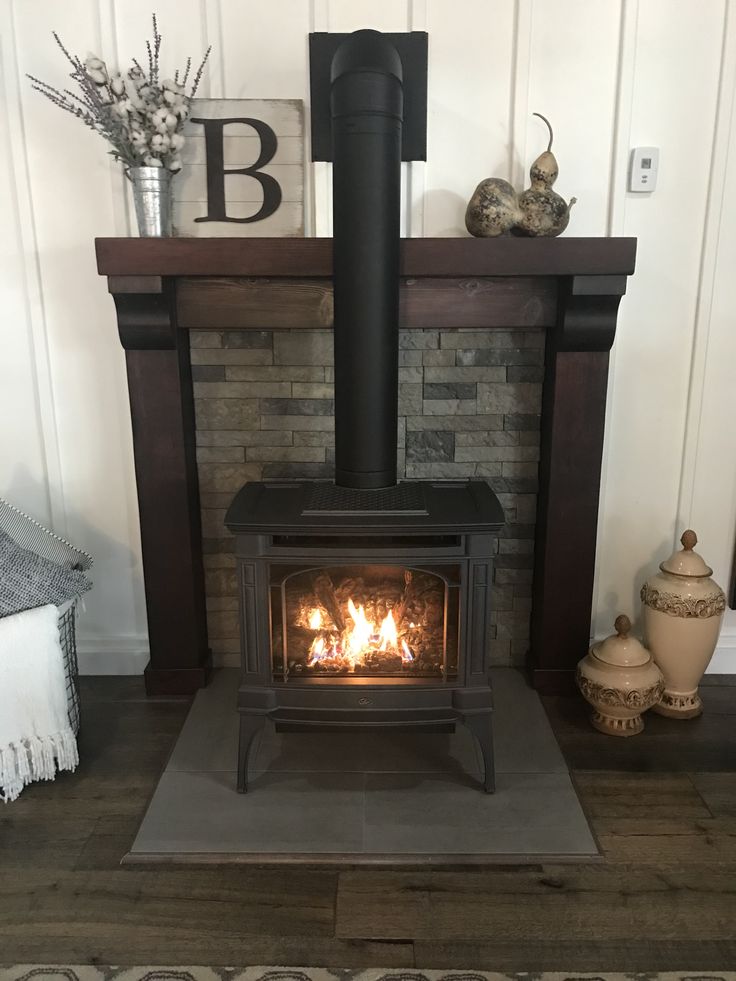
{"type": "Point", "coordinates": [469, 405]}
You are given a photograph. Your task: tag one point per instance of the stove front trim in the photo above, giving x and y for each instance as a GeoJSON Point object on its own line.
{"type": "Point", "coordinates": [359, 702]}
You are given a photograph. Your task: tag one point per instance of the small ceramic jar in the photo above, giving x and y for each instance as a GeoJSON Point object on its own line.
{"type": "Point", "coordinates": [620, 680]}
{"type": "Point", "coordinates": [682, 613]}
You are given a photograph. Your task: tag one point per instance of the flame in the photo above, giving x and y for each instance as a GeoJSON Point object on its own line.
{"type": "Point", "coordinates": [388, 634]}
{"type": "Point", "coordinates": [356, 643]}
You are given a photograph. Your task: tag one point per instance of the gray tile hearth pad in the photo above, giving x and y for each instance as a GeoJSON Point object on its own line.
{"type": "Point", "coordinates": [365, 796]}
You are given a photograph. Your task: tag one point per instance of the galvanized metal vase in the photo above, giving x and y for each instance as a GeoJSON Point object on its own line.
{"type": "Point", "coordinates": [152, 196]}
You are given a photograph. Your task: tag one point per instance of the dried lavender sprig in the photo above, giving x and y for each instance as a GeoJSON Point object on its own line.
{"type": "Point", "coordinates": [110, 127]}
{"type": "Point", "coordinates": [150, 61]}
{"type": "Point", "coordinates": [121, 151]}
{"type": "Point", "coordinates": [156, 49]}
{"type": "Point", "coordinates": [133, 135]}
{"type": "Point", "coordinates": [186, 72]}
{"type": "Point", "coordinates": [200, 70]}
{"type": "Point", "coordinates": [74, 62]}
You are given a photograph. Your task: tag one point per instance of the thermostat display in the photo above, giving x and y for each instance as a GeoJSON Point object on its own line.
{"type": "Point", "coordinates": [643, 171]}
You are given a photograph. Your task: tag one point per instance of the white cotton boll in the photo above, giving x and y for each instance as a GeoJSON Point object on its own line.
{"type": "Point", "coordinates": [171, 121]}
{"type": "Point", "coordinates": [182, 111]}
{"type": "Point", "coordinates": [174, 165]}
{"type": "Point", "coordinates": [169, 97]}
{"type": "Point", "coordinates": [159, 116]}
{"type": "Point", "coordinates": [98, 77]}
{"type": "Point", "coordinates": [177, 141]}
{"type": "Point", "coordinates": [117, 83]}
{"type": "Point", "coordinates": [94, 63]}
{"type": "Point", "coordinates": [138, 138]}
{"type": "Point", "coordinates": [152, 162]}
{"type": "Point", "coordinates": [169, 83]}
{"type": "Point", "coordinates": [162, 129]}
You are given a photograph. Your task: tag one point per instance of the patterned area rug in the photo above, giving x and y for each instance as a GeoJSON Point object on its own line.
{"type": "Point", "coordinates": [31, 972]}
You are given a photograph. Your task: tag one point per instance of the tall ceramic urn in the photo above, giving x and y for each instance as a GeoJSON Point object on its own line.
{"type": "Point", "coordinates": [682, 609]}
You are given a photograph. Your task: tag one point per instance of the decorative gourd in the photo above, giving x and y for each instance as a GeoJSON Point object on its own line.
{"type": "Point", "coordinates": [543, 212]}
{"type": "Point", "coordinates": [493, 209]}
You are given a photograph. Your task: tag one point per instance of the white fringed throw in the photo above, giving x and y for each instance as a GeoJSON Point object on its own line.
{"type": "Point", "coordinates": [35, 736]}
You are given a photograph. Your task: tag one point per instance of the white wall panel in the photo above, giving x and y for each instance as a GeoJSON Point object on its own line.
{"type": "Point", "coordinates": [471, 50]}
{"type": "Point", "coordinates": [265, 49]}
{"type": "Point", "coordinates": [675, 110]}
{"type": "Point", "coordinates": [72, 202]}
{"type": "Point", "coordinates": [573, 61]}
{"type": "Point", "coordinates": [23, 466]}
{"type": "Point", "coordinates": [708, 496]}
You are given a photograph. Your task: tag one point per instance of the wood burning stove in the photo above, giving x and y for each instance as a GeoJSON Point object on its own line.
{"type": "Point", "coordinates": [365, 602]}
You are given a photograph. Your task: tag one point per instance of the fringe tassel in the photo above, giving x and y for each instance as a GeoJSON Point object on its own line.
{"type": "Point", "coordinates": [37, 758]}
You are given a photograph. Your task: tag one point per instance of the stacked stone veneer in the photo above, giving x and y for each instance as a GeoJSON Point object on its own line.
{"type": "Point", "coordinates": [469, 406]}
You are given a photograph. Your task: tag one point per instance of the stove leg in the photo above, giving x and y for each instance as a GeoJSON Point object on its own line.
{"type": "Point", "coordinates": [250, 726]}
{"type": "Point", "coordinates": [481, 725]}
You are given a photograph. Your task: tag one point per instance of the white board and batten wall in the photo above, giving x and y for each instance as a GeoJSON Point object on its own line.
{"type": "Point", "coordinates": [610, 74]}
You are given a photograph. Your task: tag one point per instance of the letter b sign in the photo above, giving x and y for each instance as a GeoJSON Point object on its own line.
{"type": "Point", "coordinates": [242, 168]}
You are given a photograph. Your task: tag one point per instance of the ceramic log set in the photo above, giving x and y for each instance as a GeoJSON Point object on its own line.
{"type": "Point", "coordinates": [620, 680]}
{"type": "Point", "coordinates": [682, 611]}
{"type": "Point", "coordinates": [495, 208]}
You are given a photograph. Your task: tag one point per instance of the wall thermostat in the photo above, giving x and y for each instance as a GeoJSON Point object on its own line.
{"type": "Point", "coordinates": [643, 170]}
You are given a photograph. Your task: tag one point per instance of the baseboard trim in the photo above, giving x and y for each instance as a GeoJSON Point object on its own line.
{"type": "Point", "coordinates": [724, 659]}
{"type": "Point", "coordinates": [112, 655]}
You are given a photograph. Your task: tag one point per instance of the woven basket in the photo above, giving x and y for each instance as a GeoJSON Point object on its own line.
{"type": "Point", "coordinates": [31, 535]}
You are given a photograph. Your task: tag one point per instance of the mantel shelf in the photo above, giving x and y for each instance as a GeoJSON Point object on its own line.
{"type": "Point", "coordinates": [312, 257]}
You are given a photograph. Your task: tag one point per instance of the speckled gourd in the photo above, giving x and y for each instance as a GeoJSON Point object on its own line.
{"type": "Point", "coordinates": [493, 209]}
{"type": "Point", "coordinates": [542, 211]}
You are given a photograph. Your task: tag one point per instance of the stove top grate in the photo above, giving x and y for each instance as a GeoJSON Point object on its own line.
{"type": "Point", "coordinates": [401, 499]}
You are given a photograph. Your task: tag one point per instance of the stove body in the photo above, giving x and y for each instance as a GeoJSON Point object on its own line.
{"type": "Point", "coordinates": [366, 608]}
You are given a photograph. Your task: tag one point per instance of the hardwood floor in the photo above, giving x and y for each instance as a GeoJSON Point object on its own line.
{"type": "Point", "coordinates": [663, 806]}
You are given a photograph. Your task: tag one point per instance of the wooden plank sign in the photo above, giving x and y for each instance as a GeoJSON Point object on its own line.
{"type": "Point", "coordinates": [242, 169]}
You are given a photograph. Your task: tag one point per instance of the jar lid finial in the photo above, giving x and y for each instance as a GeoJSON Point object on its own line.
{"type": "Point", "coordinates": [622, 625]}
{"type": "Point", "coordinates": [689, 540]}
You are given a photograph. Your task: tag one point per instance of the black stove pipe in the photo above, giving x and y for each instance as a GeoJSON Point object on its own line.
{"type": "Point", "coordinates": [367, 114]}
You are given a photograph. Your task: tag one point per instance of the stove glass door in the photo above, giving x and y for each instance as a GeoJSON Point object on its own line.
{"type": "Point", "coordinates": [365, 621]}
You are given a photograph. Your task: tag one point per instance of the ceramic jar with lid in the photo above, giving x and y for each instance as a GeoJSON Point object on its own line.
{"type": "Point", "coordinates": [620, 680]}
{"type": "Point", "coordinates": [682, 611]}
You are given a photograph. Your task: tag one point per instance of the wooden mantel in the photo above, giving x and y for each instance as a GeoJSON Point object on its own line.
{"type": "Point", "coordinates": [164, 287]}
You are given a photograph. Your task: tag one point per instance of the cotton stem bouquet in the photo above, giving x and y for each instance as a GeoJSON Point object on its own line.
{"type": "Point", "coordinates": [137, 112]}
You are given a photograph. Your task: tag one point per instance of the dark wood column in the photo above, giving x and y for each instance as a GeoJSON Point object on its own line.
{"type": "Point", "coordinates": [573, 417]}
{"type": "Point", "coordinates": [162, 411]}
